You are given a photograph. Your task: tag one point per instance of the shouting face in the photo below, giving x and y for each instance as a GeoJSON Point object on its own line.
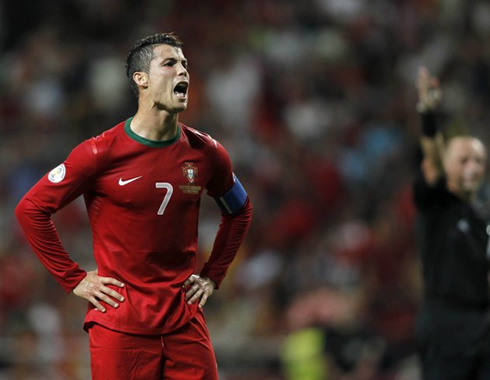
{"type": "Point", "coordinates": [166, 84]}
{"type": "Point", "coordinates": [464, 164]}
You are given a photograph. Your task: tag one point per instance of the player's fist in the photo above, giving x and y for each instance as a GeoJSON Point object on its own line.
{"type": "Point", "coordinates": [429, 90]}
{"type": "Point", "coordinates": [198, 288]}
{"type": "Point", "coordinates": [93, 288]}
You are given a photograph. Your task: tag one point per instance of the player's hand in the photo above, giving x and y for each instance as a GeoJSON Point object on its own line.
{"type": "Point", "coordinates": [428, 89]}
{"type": "Point", "coordinates": [198, 288]}
{"type": "Point", "coordinates": [93, 288]}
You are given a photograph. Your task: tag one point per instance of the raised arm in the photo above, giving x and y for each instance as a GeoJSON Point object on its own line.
{"type": "Point", "coordinates": [431, 139]}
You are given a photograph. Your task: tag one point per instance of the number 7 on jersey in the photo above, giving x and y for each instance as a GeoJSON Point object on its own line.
{"type": "Point", "coordinates": [168, 195]}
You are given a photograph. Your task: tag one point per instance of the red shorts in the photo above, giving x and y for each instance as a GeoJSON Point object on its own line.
{"type": "Point", "coordinates": [185, 354]}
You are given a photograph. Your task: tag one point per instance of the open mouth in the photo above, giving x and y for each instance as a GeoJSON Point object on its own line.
{"type": "Point", "coordinates": [181, 90]}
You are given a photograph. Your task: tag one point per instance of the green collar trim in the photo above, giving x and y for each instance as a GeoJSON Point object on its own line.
{"type": "Point", "coordinates": [150, 143]}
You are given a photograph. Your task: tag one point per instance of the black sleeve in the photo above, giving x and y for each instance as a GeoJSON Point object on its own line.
{"type": "Point", "coordinates": [428, 125]}
{"type": "Point", "coordinates": [425, 195]}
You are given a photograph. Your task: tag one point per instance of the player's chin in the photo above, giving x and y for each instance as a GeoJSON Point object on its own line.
{"type": "Point", "coordinates": [180, 106]}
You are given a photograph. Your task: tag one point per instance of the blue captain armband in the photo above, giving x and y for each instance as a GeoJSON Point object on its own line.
{"type": "Point", "coordinates": [234, 199]}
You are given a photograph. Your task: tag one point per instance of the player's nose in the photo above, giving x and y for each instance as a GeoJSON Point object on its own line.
{"type": "Point", "coordinates": [181, 70]}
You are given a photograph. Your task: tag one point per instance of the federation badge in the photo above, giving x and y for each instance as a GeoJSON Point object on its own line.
{"type": "Point", "coordinates": [190, 172]}
{"type": "Point", "coordinates": [57, 174]}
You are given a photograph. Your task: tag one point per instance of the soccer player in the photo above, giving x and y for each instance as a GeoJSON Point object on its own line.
{"type": "Point", "coordinates": [142, 182]}
{"type": "Point", "coordinates": [452, 333]}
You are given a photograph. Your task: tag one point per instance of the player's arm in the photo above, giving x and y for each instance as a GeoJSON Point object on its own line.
{"type": "Point", "coordinates": [55, 190]}
{"type": "Point", "coordinates": [236, 216]}
{"type": "Point", "coordinates": [431, 139]}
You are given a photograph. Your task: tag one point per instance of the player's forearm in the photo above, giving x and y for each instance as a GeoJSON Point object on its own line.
{"type": "Point", "coordinates": [45, 242]}
{"type": "Point", "coordinates": [432, 144]}
{"type": "Point", "coordinates": [231, 234]}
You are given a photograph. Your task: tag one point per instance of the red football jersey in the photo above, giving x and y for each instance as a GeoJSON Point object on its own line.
{"type": "Point", "coordinates": [142, 200]}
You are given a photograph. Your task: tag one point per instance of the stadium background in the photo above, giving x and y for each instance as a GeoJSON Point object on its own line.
{"type": "Point", "coordinates": [314, 100]}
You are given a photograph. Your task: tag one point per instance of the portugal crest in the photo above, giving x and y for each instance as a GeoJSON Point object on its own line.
{"type": "Point", "coordinates": [190, 172]}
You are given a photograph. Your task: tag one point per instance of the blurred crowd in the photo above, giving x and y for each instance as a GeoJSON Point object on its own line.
{"type": "Point", "coordinates": [315, 102]}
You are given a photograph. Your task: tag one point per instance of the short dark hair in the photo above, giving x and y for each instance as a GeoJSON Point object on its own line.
{"type": "Point", "coordinates": [141, 54]}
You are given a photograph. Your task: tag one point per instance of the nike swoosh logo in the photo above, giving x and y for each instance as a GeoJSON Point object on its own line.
{"type": "Point", "coordinates": [122, 182]}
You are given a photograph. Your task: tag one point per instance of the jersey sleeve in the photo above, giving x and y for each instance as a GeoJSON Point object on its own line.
{"type": "Point", "coordinates": [54, 191]}
{"type": "Point", "coordinates": [222, 179]}
{"type": "Point", "coordinates": [236, 217]}
{"type": "Point", "coordinates": [425, 195]}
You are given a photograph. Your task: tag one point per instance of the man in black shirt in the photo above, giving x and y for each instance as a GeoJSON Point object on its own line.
{"type": "Point", "coordinates": [452, 329]}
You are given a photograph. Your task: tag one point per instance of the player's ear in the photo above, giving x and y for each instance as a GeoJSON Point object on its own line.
{"type": "Point", "coordinates": [141, 78]}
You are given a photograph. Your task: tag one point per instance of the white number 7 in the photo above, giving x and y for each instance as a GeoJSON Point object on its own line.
{"type": "Point", "coordinates": [170, 190]}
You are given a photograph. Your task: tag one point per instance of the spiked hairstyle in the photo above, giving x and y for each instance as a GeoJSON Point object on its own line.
{"type": "Point", "coordinates": [141, 54]}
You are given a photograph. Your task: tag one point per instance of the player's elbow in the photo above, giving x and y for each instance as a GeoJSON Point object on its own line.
{"type": "Point", "coordinates": [26, 209]}
{"type": "Point", "coordinates": [20, 209]}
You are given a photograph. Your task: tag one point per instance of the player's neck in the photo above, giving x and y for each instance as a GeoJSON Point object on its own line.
{"type": "Point", "coordinates": [155, 126]}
